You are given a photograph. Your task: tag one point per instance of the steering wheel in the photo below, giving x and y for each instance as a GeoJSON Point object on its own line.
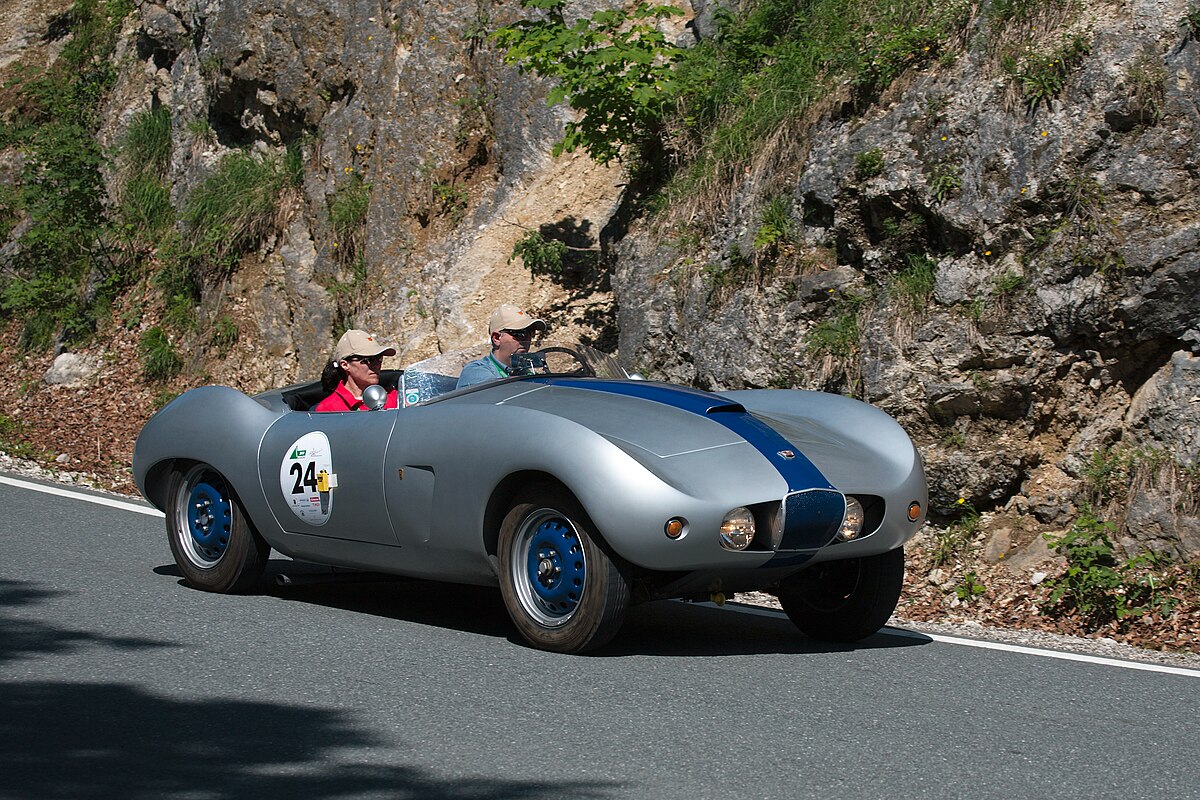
{"type": "Point", "coordinates": [584, 370]}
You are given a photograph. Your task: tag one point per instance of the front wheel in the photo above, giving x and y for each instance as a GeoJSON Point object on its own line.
{"type": "Point", "coordinates": [844, 601]}
{"type": "Point", "coordinates": [213, 543]}
{"type": "Point", "coordinates": [563, 592]}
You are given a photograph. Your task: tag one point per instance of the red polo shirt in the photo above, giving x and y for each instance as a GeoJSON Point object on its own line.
{"type": "Point", "coordinates": [343, 400]}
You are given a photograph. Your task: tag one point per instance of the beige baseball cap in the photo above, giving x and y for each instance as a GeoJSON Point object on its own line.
{"type": "Point", "coordinates": [509, 317]}
{"type": "Point", "coordinates": [360, 343]}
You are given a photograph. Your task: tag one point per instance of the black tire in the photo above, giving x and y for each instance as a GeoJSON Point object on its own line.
{"type": "Point", "coordinates": [844, 601]}
{"type": "Point", "coordinates": [213, 543]}
{"type": "Point", "coordinates": [562, 590]}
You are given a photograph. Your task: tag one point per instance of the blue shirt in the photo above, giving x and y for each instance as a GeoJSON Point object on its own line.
{"type": "Point", "coordinates": [481, 370]}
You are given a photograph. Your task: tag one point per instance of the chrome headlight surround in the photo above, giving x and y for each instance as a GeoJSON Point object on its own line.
{"type": "Point", "coordinates": [737, 529]}
{"type": "Point", "coordinates": [852, 521]}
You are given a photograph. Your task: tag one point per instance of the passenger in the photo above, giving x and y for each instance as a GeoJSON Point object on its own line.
{"type": "Point", "coordinates": [355, 366]}
{"type": "Point", "coordinates": [511, 331]}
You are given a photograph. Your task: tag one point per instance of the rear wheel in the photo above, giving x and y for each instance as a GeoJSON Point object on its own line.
{"type": "Point", "coordinates": [211, 539]}
{"type": "Point", "coordinates": [562, 590]}
{"type": "Point", "coordinates": [844, 601]}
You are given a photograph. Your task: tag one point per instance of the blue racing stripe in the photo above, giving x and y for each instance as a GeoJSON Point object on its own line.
{"type": "Point", "coordinates": [798, 471]}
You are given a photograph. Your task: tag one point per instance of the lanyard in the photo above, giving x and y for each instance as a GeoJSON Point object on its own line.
{"type": "Point", "coordinates": [501, 370]}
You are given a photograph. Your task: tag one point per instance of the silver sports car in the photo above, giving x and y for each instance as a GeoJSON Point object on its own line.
{"type": "Point", "coordinates": [574, 487]}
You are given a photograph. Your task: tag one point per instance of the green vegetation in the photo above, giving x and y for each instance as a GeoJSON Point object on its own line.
{"type": "Point", "coordinates": [1096, 586]}
{"type": "Point", "coordinates": [450, 200]}
{"type": "Point", "coordinates": [838, 334]}
{"type": "Point", "coordinates": [160, 362]}
{"type": "Point", "coordinates": [1114, 474]}
{"type": "Point", "coordinates": [229, 213]}
{"type": "Point", "coordinates": [868, 164]}
{"type": "Point", "coordinates": [776, 226]}
{"type": "Point", "coordinates": [12, 440]}
{"type": "Point", "coordinates": [224, 334]}
{"type": "Point", "coordinates": [715, 105]}
{"type": "Point", "coordinates": [1147, 77]}
{"type": "Point", "coordinates": [60, 281]}
{"type": "Point", "coordinates": [146, 145]}
{"type": "Point", "coordinates": [1042, 76]}
{"type": "Point", "coordinates": [944, 180]}
{"type": "Point", "coordinates": [348, 214]}
{"type": "Point", "coordinates": [1190, 24]}
{"type": "Point", "coordinates": [729, 273]}
{"type": "Point", "coordinates": [1084, 235]}
{"type": "Point", "coordinates": [615, 68]}
{"type": "Point", "coordinates": [540, 256]}
{"type": "Point", "coordinates": [1007, 284]}
{"type": "Point", "coordinates": [912, 287]}
{"type": "Point", "coordinates": [179, 288]}
{"type": "Point", "coordinates": [969, 587]}
{"type": "Point", "coordinates": [952, 541]}
{"type": "Point", "coordinates": [143, 157]}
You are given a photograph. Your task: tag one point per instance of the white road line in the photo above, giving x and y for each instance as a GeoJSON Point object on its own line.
{"type": "Point", "coordinates": [91, 498]}
{"type": "Point", "coordinates": [1008, 648]}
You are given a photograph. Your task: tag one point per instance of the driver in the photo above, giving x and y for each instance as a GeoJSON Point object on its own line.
{"type": "Point", "coordinates": [511, 331]}
{"type": "Point", "coordinates": [354, 367]}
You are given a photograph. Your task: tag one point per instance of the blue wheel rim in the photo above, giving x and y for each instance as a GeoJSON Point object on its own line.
{"type": "Point", "coordinates": [205, 517]}
{"type": "Point", "coordinates": [549, 569]}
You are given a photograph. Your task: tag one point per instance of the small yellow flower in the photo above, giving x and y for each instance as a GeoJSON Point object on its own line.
{"type": "Point", "coordinates": [335, 244]}
{"type": "Point", "coordinates": [943, 138]}
{"type": "Point", "coordinates": [370, 38]}
{"type": "Point", "coordinates": [348, 170]}
{"type": "Point", "coordinates": [1022, 190]}
{"type": "Point", "coordinates": [1045, 133]}
{"type": "Point", "coordinates": [987, 252]}
{"type": "Point", "coordinates": [962, 500]}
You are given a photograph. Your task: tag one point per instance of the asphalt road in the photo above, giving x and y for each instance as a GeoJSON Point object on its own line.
{"type": "Point", "coordinates": [119, 681]}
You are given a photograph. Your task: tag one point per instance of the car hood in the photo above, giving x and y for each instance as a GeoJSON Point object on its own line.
{"type": "Point", "coordinates": [659, 422]}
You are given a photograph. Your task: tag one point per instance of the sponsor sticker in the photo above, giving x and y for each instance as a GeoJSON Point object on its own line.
{"type": "Point", "coordinates": [307, 479]}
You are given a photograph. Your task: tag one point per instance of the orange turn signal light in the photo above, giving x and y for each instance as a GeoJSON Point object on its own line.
{"type": "Point", "coordinates": [914, 511]}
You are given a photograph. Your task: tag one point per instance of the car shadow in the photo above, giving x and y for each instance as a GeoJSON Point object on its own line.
{"type": "Point", "coordinates": [674, 628]}
{"type": "Point", "coordinates": [659, 628]}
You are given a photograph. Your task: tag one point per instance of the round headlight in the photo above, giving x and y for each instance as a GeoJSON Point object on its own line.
{"type": "Point", "coordinates": [852, 522]}
{"type": "Point", "coordinates": [737, 529]}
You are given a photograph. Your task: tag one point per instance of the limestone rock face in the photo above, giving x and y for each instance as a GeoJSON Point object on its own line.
{"type": "Point", "coordinates": [412, 103]}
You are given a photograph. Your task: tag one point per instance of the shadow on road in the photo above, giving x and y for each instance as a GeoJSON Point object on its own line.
{"type": "Point", "coordinates": [662, 628]}
{"type": "Point", "coordinates": [670, 628]}
{"type": "Point", "coordinates": [106, 740]}
{"type": "Point", "coordinates": [23, 637]}
{"type": "Point", "coordinates": [111, 740]}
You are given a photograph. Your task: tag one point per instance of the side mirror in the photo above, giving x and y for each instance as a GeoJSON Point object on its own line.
{"type": "Point", "coordinates": [374, 397]}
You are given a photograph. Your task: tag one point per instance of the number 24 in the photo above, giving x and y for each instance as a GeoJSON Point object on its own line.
{"type": "Point", "coordinates": [304, 477]}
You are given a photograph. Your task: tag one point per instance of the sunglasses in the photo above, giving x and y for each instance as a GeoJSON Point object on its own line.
{"type": "Point", "coordinates": [524, 333]}
{"type": "Point", "coordinates": [366, 359]}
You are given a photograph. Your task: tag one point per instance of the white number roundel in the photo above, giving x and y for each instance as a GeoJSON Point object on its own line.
{"type": "Point", "coordinates": [305, 478]}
